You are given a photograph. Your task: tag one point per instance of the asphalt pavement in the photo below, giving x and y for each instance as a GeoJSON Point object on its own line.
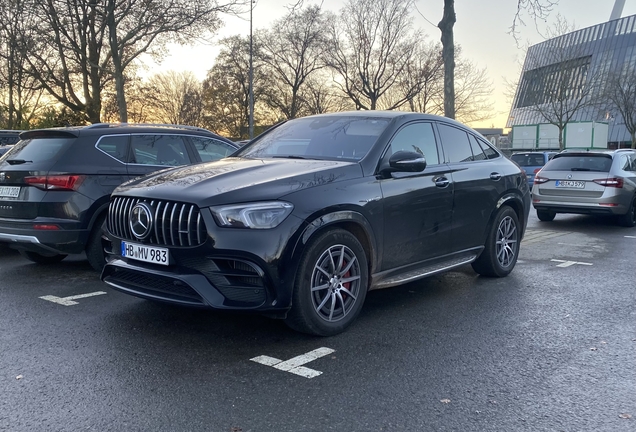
{"type": "Point", "coordinates": [552, 347]}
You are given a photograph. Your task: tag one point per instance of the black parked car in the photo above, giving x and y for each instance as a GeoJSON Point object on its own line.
{"type": "Point", "coordinates": [7, 139]}
{"type": "Point", "coordinates": [312, 214]}
{"type": "Point", "coordinates": [55, 183]}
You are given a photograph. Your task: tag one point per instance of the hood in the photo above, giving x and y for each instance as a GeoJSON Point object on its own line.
{"type": "Point", "coordinates": [238, 180]}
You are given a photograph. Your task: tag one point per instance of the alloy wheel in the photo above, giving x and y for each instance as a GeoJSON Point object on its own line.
{"type": "Point", "coordinates": [335, 283]}
{"type": "Point", "coordinates": [507, 238]}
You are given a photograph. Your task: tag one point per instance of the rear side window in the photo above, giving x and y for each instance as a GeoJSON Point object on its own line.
{"type": "Point", "coordinates": [38, 150]}
{"type": "Point", "coordinates": [210, 149]}
{"type": "Point", "coordinates": [478, 152]}
{"type": "Point", "coordinates": [115, 146]}
{"type": "Point", "coordinates": [167, 150]}
{"type": "Point", "coordinates": [455, 143]}
{"type": "Point", "coordinates": [597, 163]}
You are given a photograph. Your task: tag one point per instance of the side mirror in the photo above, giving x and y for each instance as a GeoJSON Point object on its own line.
{"type": "Point", "coordinates": [404, 161]}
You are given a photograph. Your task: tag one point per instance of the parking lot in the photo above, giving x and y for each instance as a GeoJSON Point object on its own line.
{"type": "Point", "coordinates": [549, 348]}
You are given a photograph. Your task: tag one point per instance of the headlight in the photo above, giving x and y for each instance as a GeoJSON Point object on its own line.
{"type": "Point", "coordinates": [262, 215]}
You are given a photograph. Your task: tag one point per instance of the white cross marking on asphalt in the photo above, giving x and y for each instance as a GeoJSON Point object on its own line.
{"type": "Point", "coordinates": [295, 365]}
{"type": "Point", "coordinates": [68, 301]}
{"type": "Point", "coordinates": [569, 263]}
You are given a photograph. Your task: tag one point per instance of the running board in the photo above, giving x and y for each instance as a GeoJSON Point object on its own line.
{"type": "Point", "coordinates": [423, 272]}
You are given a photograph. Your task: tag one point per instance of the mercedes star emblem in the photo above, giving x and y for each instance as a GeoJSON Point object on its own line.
{"type": "Point", "coordinates": [141, 221]}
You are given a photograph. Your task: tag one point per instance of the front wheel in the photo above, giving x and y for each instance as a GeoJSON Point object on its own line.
{"type": "Point", "coordinates": [502, 245]}
{"type": "Point", "coordinates": [330, 286]}
{"type": "Point", "coordinates": [42, 259]}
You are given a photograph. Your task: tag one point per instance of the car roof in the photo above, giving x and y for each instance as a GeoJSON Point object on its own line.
{"type": "Point", "coordinates": [114, 128]}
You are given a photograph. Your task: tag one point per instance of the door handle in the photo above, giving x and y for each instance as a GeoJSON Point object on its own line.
{"type": "Point", "coordinates": [441, 181]}
{"type": "Point", "coordinates": [495, 176]}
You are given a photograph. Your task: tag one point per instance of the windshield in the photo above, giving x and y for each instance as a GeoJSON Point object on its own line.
{"type": "Point", "coordinates": [574, 162]}
{"type": "Point", "coordinates": [329, 137]}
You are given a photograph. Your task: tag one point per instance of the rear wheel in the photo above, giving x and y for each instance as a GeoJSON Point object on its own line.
{"type": "Point", "coordinates": [42, 259]}
{"type": "Point", "coordinates": [94, 248]}
{"type": "Point", "coordinates": [502, 245]}
{"type": "Point", "coordinates": [546, 215]}
{"type": "Point", "coordinates": [330, 286]}
{"type": "Point", "coordinates": [629, 218]}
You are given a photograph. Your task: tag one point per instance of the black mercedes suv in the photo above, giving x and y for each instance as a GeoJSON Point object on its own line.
{"type": "Point", "coordinates": [305, 219]}
{"type": "Point", "coordinates": [55, 183]}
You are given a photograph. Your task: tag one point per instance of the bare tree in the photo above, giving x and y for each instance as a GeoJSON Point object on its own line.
{"type": "Point", "coordinates": [321, 96]}
{"type": "Point", "coordinates": [226, 87]}
{"type": "Point", "coordinates": [370, 48]}
{"type": "Point", "coordinates": [620, 90]}
{"type": "Point", "coordinates": [18, 99]}
{"type": "Point", "coordinates": [537, 10]}
{"type": "Point", "coordinates": [473, 93]}
{"type": "Point", "coordinates": [292, 50]}
{"type": "Point", "coordinates": [144, 26]}
{"type": "Point", "coordinates": [425, 74]}
{"type": "Point", "coordinates": [175, 98]}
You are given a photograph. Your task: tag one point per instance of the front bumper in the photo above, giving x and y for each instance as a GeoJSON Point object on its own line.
{"type": "Point", "coordinates": [234, 269]}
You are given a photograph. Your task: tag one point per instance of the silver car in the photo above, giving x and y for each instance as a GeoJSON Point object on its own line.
{"type": "Point", "coordinates": [588, 182]}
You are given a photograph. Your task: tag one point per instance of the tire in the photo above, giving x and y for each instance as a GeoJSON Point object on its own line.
{"type": "Point", "coordinates": [322, 304]}
{"type": "Point", "coordinates": [94, 248]}
{"type": "Point", "coordinates": [629, 219]}
{"type": "Point", "coordinates": [42, 259]}
{"type": "Point", "coordinates": [502, 245]}
{"type": "Point", "coordinates": [546, 215]}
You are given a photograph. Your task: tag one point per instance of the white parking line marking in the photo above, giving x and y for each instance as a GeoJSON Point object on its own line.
{"type": "Point", "coordinates": [565, 263]}
{"type": "Point", "coordinates": [295, 365]}
{"type": "Point", "coordinates": [630, 236]}
{"type": "Point", "coordinates": [68, 301]}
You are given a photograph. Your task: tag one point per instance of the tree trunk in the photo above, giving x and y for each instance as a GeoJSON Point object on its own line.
{"type": "Point", "coordinates": [634, 139]}
{"type": "Point", "coordinates": [561, 145]}
{"type": "Point", "coordinates": [122, 107]}
{"type": "Point", "coordinates": [448, 55]}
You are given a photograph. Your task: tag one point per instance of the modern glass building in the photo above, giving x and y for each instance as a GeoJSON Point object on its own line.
{"type": "Point", "coordinates": [573, 69]}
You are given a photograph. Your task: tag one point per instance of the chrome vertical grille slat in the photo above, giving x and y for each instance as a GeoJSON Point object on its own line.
{"type": "Point", "coordinates": [175, 224]}
{"type": "Point", "coordinates": [180, 223]}
{"type": "Point", "coordinates": [189, 222]}
{"type": "Point", "coordinates": [172, 230]}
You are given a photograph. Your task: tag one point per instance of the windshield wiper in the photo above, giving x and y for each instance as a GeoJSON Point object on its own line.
{"type": "Point", "coordinates": [17, 161]}
{"type": "Point", "coordinates": [290, 157]}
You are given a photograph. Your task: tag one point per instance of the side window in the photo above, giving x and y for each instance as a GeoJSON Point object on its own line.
{"type": "Point", "coordinates": [168, 150]}
{"type": "Point", "coordinates": [115, 146]}
{"type": "Point", "coordinates": [488, 150]}
{"type": "Point", "coordinates": [455, 143]}
{"type": "Point", "coordinates": [210, 149]}
{"type": "Point", "coordinates": [419, 138]}
{"type": "Point", "coordinates": [628, 163]}
{"type": "Point", "coordinates": [478, 152]}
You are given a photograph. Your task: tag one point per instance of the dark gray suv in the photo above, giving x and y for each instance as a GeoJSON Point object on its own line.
{"type": "Point", "coordinates": [55, 184]}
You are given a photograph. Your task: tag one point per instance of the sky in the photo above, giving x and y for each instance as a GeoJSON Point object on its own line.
{"type": "Point", "coordinates": [482, 30]}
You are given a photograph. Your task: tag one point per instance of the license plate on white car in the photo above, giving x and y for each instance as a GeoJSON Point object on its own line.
{"type": "Point", "coordinates": [9, 191]}
{"type": "Point", "coordinates": [570, 184]}
{"type": "Point", "coordinates": [150, 254]}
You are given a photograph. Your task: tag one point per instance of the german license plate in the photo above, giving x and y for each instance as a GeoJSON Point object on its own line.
{"type": "Point", "coordinates": [150, 254]}
{"type": "Point", "coordinates": [570, 184]}
{"type": "Point", "coordinates": [9, 191]}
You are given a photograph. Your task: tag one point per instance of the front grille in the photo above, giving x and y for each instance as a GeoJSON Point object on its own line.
{"type": "Point", "coordinates": [174, 223]}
